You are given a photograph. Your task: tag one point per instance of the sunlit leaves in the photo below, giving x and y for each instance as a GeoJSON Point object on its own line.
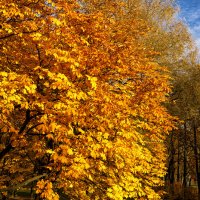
{"type": "Point", "coordinates": [92, 81]}
{"type": "Point", "coordinates": [45, 187]}
{"type": "Point", "coordinates": [81, 102]}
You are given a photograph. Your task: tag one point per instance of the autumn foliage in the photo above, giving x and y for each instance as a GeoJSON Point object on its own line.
{"type": "Point", "coordinates": [80, 102]}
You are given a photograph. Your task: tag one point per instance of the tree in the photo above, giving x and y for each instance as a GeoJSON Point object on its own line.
{"type": "Point", "coordinates": [185, 104]}
{"type": "Point", "coordinates": [168, 35]}
{"type": "Point", "coordinates": [76, 100]}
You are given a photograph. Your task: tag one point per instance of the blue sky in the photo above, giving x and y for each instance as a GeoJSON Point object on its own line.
{"type": "Point", "coordinates": [190, 12]}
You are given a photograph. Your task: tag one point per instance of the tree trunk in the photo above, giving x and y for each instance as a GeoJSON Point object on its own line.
{"type": "Point", "coordinates": [184, 160]}
{"type": "Point", "coordinates": [178, 159]}
{"type": "Point", "coordinates": [196, 156]}
{"type": "Point", "coordinates": [172, 160]}
{"type": "Point", "coordinates": [171, 169]}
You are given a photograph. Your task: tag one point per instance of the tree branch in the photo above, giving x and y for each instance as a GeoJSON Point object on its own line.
{"type": "Point", "coordinates": [26, 121]}
{"type": "Point", "coordinates": [33, 127]}
{"type": "Point", "coordinates": [24, 32]}
{"type": "Point", "coordinates": [5, 151]}
{"type": "Point", "coordinates": [23, 127]}
{"type": "Point", "coordinates": [16, 187]}
{"type": "Point", "coordinates": [39, 55]}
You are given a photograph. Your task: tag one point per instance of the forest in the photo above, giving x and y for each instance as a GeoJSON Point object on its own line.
{"type": "Point", "coordinates": [99, 100]}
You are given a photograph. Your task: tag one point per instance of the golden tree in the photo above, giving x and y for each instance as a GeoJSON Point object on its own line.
{"type": "Point", "coordinates": [81, 102]}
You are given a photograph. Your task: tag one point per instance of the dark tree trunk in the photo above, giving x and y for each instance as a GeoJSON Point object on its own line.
{"type": "Point", "coordinates": [196, 156]}
{"type": "Point", "coordinates": [178, 160]}
{"type": "Point", "coordinates": [171, 167]}
{"type": "Point", "coordinates": [184, 160]}
{"type": "Point", "coordinates": [185, 157]}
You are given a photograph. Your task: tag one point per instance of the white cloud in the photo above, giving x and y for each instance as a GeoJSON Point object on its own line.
{"type": "Point", "coordinates": [197, 41]}
{"type": "Point", "coordinates": [195, 30]}
{"type": "Point", "coordinates": [193, 15]}
{"type": "Point", "coordinates": [190, 14]}
{"type": "Point", "coordinates": [193, 21]}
